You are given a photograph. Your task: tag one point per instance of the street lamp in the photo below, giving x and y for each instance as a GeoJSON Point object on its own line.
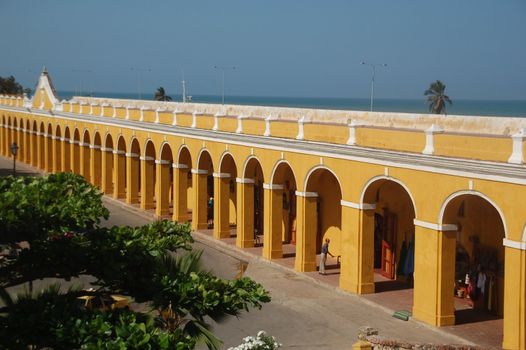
{"type": "Point", "coordinates": [14, 151]}
{"type": "Point", "coordinates": [223, 68]}
{"type": "Point", "coordinates": [139, 70]}
{"type": "Point", "coordinates": [373, 67]}
{"type": "Point", "coordinates": [82, 71]}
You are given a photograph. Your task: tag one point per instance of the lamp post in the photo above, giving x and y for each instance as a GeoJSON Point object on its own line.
{"type": "Point", "coordinates": [373, 67]}
{"type": "Point", "coordinates": [139, 70]}
{"type": "Point", "coordinates": [223, 68]}
{"type": "Point", "coordinates": [80, 83]}
{"type": "Point", "coordinates": [14, 151]}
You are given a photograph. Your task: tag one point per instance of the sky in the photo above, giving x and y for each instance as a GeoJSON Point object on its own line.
{"type": "Point", "coordinates": [278, 48]}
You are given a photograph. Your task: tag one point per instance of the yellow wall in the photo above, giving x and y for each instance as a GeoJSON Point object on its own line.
{"type": "Point", "coordinates": [326, 133]}
{"type": "Point", "coordinates": [398, 140]}
{"type": "Point", "coordinates": [474, 147]}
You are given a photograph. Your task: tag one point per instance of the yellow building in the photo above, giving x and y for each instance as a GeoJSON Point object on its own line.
{"type": "Point", "coordinates": [423, 198]}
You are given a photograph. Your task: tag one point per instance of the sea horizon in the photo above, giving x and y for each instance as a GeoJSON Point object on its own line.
{"type": "Point", "coordinates": [473, 107]}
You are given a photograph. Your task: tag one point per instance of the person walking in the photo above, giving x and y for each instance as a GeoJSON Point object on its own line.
{"type": "Point", "coordinates": [324, 252]}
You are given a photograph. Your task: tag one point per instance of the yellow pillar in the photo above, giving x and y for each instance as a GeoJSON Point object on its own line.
{"type": "Point", "coordinates": [434, 274]}
{"type": "Point", "coordinates": [245, 213]}
{"type": "Point", "coordinates": [272, 217]}
{"type": "Point", "coordinates": [199, 217]}
{"type": "Point", "coordinates": [514, 322]}
{"type": "Point", "coordinates": [180, 185]}
{"type": "Point", "coordinates": [147, 182]}
{"type": "Point", "coordinates": [95, 165]}
{"type": "Point", "coordinates": [162, 187]}
{"type": "Point", "coordinates": [221, 205]}
{"type": "Point", "coordinates": [65, 157]}
{"type": "Point", "coordinates": [57, 154]}
{"type": "Point", "coordinates": [107, 170]}
{"type": "Point", "coordinates": [76, 157]}
{"type": "Point", "coordinates": [307, 223]}
{"type": "Point", "coordinates": [357, 257]}
{"type": "Point", "coordinates": [119, 174]}
{"type": "Point", "coordinates": [132, 178]}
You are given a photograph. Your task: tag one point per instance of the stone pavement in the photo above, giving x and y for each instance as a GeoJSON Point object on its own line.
{"type": "Point", "coordinates": [307, 310]}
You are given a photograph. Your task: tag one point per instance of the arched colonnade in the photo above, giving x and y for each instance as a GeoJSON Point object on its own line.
{"type": "Point", "coordinates": [285, 200]}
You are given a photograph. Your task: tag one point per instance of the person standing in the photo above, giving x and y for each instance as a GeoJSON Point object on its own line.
{"type": "Point", "coordinates": [324, 252]}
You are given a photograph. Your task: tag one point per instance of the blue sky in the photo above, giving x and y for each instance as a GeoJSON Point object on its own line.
{"type": "Point", "coordinates": [280, 48]}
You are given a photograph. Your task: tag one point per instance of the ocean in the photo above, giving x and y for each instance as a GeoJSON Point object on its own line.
{"type": "Point", "coordinates": [504, 108]}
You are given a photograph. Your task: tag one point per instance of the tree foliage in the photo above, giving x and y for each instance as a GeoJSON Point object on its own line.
{"type": "Point", "coordinates": [153, 264]}
{"type": "Point", "coordinates": [437, 98]}
{"type": "Point", "coordinates": [160, 95]}
{"type": "Point", "coordinates": [9, 86]}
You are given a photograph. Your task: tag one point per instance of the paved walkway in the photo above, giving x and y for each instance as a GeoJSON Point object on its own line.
{"type": "Point", "coordinates": [307, 311]}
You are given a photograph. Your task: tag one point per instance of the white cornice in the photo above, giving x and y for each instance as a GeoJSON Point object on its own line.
{"type": "Point", "coordinates": [435, 227]}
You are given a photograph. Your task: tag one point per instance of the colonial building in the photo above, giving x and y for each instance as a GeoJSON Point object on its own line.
{"type": "Point", "coordinates": [439, 200]}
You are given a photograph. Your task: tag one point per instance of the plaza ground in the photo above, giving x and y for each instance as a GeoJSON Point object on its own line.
{"type": "Point", "coordinates": [307, 310]}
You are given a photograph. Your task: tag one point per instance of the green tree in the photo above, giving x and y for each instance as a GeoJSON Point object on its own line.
{"type": "Point", "coordinates": [9, 86]}
{"type": "Point", "coordinates": [160, 95]}
{"type": "Point", "coordinates": [152, 264]}
{"type": "Point", "coordinates": [437, 98]}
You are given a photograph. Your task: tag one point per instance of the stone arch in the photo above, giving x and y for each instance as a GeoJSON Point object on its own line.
{"type": "Point", "coordinates": [203, 187]}
{"type": "Point", "coordinates": [225, 196]}
{"type": "Point", "coordinates": [474, 193]}
{"type": "Point", "coordinates": [478, 246]}
{"type": "Point", "coordinates": [108, 140]}
{"type": "Point", "coordinates": [251, 224]}
{"type": "Point", "coordinates": [133, 171]}
{"type": "Point", "coordinates": [148, 176]}
{"type": "Point", "coordinates": [164, 187]}
{"type": "Point", "coordinates": [67, 146]}
{"type": "Point", "coordinates": [85, 155]}
{"type": "Point", "coordinates": [249, 165]}
{"type": "Point", "coordinates": [388, 214]}
{"type": "Point", "coordinates": [323, 217]}
{"type": "Point", "coordinates": [165, 151]}
{"type": "Point", "coordinates": [183, 195]}
{"type": "Point", "coordinates": [398, 181]}
{"type": "Point", "coordinates": [48, 148]}
{"type": "Point", "coordinates": [204, 159]}
{"type": "Point", "coordinates": [316, 168]}
{"type": "Point", "coordinates": [57, 149]}
{"type": "Point", "coordinates": [96, 159]}
{"type": "Point", "coordinates": [276, 167]}
{"type": "Point", "coordinates": [280, 203]}
{"type": "Point", "coordinates": [119, 168]}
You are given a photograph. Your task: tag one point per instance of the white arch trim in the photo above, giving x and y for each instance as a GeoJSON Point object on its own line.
{"type": "Point", "coordinates": [204, 149]}
{"type": "Point", "coordinates": [108, 134]}
{"type": "Point", "coordinates": [318, 167]}
{"type": "Point", "coordinates": [383, 177]}
{"type": "Point", "coordinates": [84, 135]}
{"type": "Point", "coordinates": [524, 234]}
{"type": "Point", "coordinates": [246, 164]}
{"type": "Point", "coordinates": [164, 144]}
{"type": "Point", "coordinates": [278, 163]}
{"type": "Point", "coordinates": [183, 146]}
{"type": "Point", "coordinates": [473, 193]}
{"type": "Point", "coordinates": [225, 153]}
{"type": "Point", "coordinates": [148, 140]}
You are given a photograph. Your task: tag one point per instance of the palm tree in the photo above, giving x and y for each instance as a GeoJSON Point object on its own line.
{"type": "Point", "coordinates": [160, 95]}
{"type": "Point", "coordinates": [436, 97]}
